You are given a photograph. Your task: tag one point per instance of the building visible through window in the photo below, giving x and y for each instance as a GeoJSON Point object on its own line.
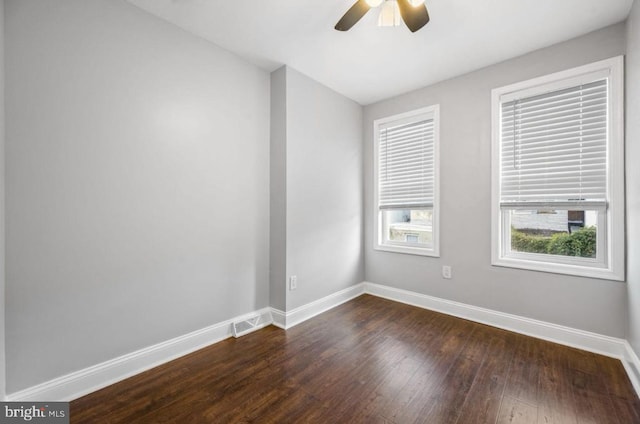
{"type": "Point", "coordinates": [406, 184]}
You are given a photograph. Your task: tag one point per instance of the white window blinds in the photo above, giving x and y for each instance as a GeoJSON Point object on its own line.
{"type": "Point", "coordinates": [406, 164]}
{"type": "Point", "coordinates": [553, 147]}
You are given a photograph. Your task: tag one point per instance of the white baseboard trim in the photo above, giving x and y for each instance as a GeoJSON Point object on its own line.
{"type": "Point", "coordinates": [580, 339]}
{"type": "Point", "coordinates": [593, 342]}
{"type": "Point", "coordinates": [632, 366]}
{"type": "Point", "coordinates": [82, 382]}
{"type": "Point", "coordinates": [79, 383]}
{"type": "Point", "coordinates": [279, 318]}
{"type": "Point", "coordinates": [295, 316]}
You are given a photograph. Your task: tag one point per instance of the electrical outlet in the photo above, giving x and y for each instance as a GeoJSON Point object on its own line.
{"type": "Point", "coordinates": [293, 282]}
{"type": "Point", "coordinates": [446, 272]}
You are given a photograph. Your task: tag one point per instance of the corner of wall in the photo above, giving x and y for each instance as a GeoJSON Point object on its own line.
{"type": "Point", "coordinates": [632, 152]}
{"type": "Point", "coordinates": [2, 268]}
{"type": "Point", "coordinates": [277, 190]}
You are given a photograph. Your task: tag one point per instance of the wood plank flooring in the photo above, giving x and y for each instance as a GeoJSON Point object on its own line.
{"type": "Point", "coordinates": [374, 361]}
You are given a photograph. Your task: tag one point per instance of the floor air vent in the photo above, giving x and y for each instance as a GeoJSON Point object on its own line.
{"type": "Point", "coordinates": [254, 323]}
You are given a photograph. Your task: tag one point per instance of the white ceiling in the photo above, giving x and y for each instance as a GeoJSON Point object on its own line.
{"type": "Point", "coordinates": [369, 63]}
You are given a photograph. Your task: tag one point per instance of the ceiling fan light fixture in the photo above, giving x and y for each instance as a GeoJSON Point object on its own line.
{"type": "Point", "coordinates": [389, 14]}
{"type": "Point", "coordinates": [374, 3]}
{"type": "Point", "coordinates": [392, 12]}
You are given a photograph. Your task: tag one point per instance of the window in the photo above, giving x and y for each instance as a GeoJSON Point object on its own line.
{"type": "Point", "coordinates": [406, 182]}
{"type": "Point", "coordinates": [558, 173]}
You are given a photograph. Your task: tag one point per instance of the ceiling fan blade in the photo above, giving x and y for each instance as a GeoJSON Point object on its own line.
{"type": "Point", "coordinates": [414, 17]}
{"type": "Point", "coordinates": [353, 15]}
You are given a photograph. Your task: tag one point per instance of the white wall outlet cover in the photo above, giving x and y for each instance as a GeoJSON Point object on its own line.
{"type": "Point", "coordinates": [446, 271]}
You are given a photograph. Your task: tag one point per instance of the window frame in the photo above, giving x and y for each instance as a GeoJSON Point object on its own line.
{"type": "Point", "coordinates": [429, 112]}
{"type": "Point", "coordinates": [610, 262]}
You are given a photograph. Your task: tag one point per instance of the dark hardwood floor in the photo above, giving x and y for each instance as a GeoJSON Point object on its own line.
{"type": "Point", "coordinates": [374, 361]}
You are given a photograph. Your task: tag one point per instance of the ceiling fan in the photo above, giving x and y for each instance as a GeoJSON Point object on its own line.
{"type": "Point", "coordinates": [413, 12]}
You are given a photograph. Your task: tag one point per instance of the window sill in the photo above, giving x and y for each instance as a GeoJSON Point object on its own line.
{"type": "Point", "coordinates": [408, 250]}
{"type": "Point", "coordinates": [557, 268]}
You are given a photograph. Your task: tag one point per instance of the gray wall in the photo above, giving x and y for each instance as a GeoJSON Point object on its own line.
{"type": "Point", "coordinates": [633, 173]}
{"type": "Point", "coordinates": [278, 191]}
{"type": "Point", "coordinates": [137, 185]}
{"type": "Point", "coordinates": [2, 232]}
{"type": "Point", "coordinates": [465, 110]}
{"type": "Point", "coordinates": [324, 190]}
{"type": "Point", "coordinates": [318, 149]}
